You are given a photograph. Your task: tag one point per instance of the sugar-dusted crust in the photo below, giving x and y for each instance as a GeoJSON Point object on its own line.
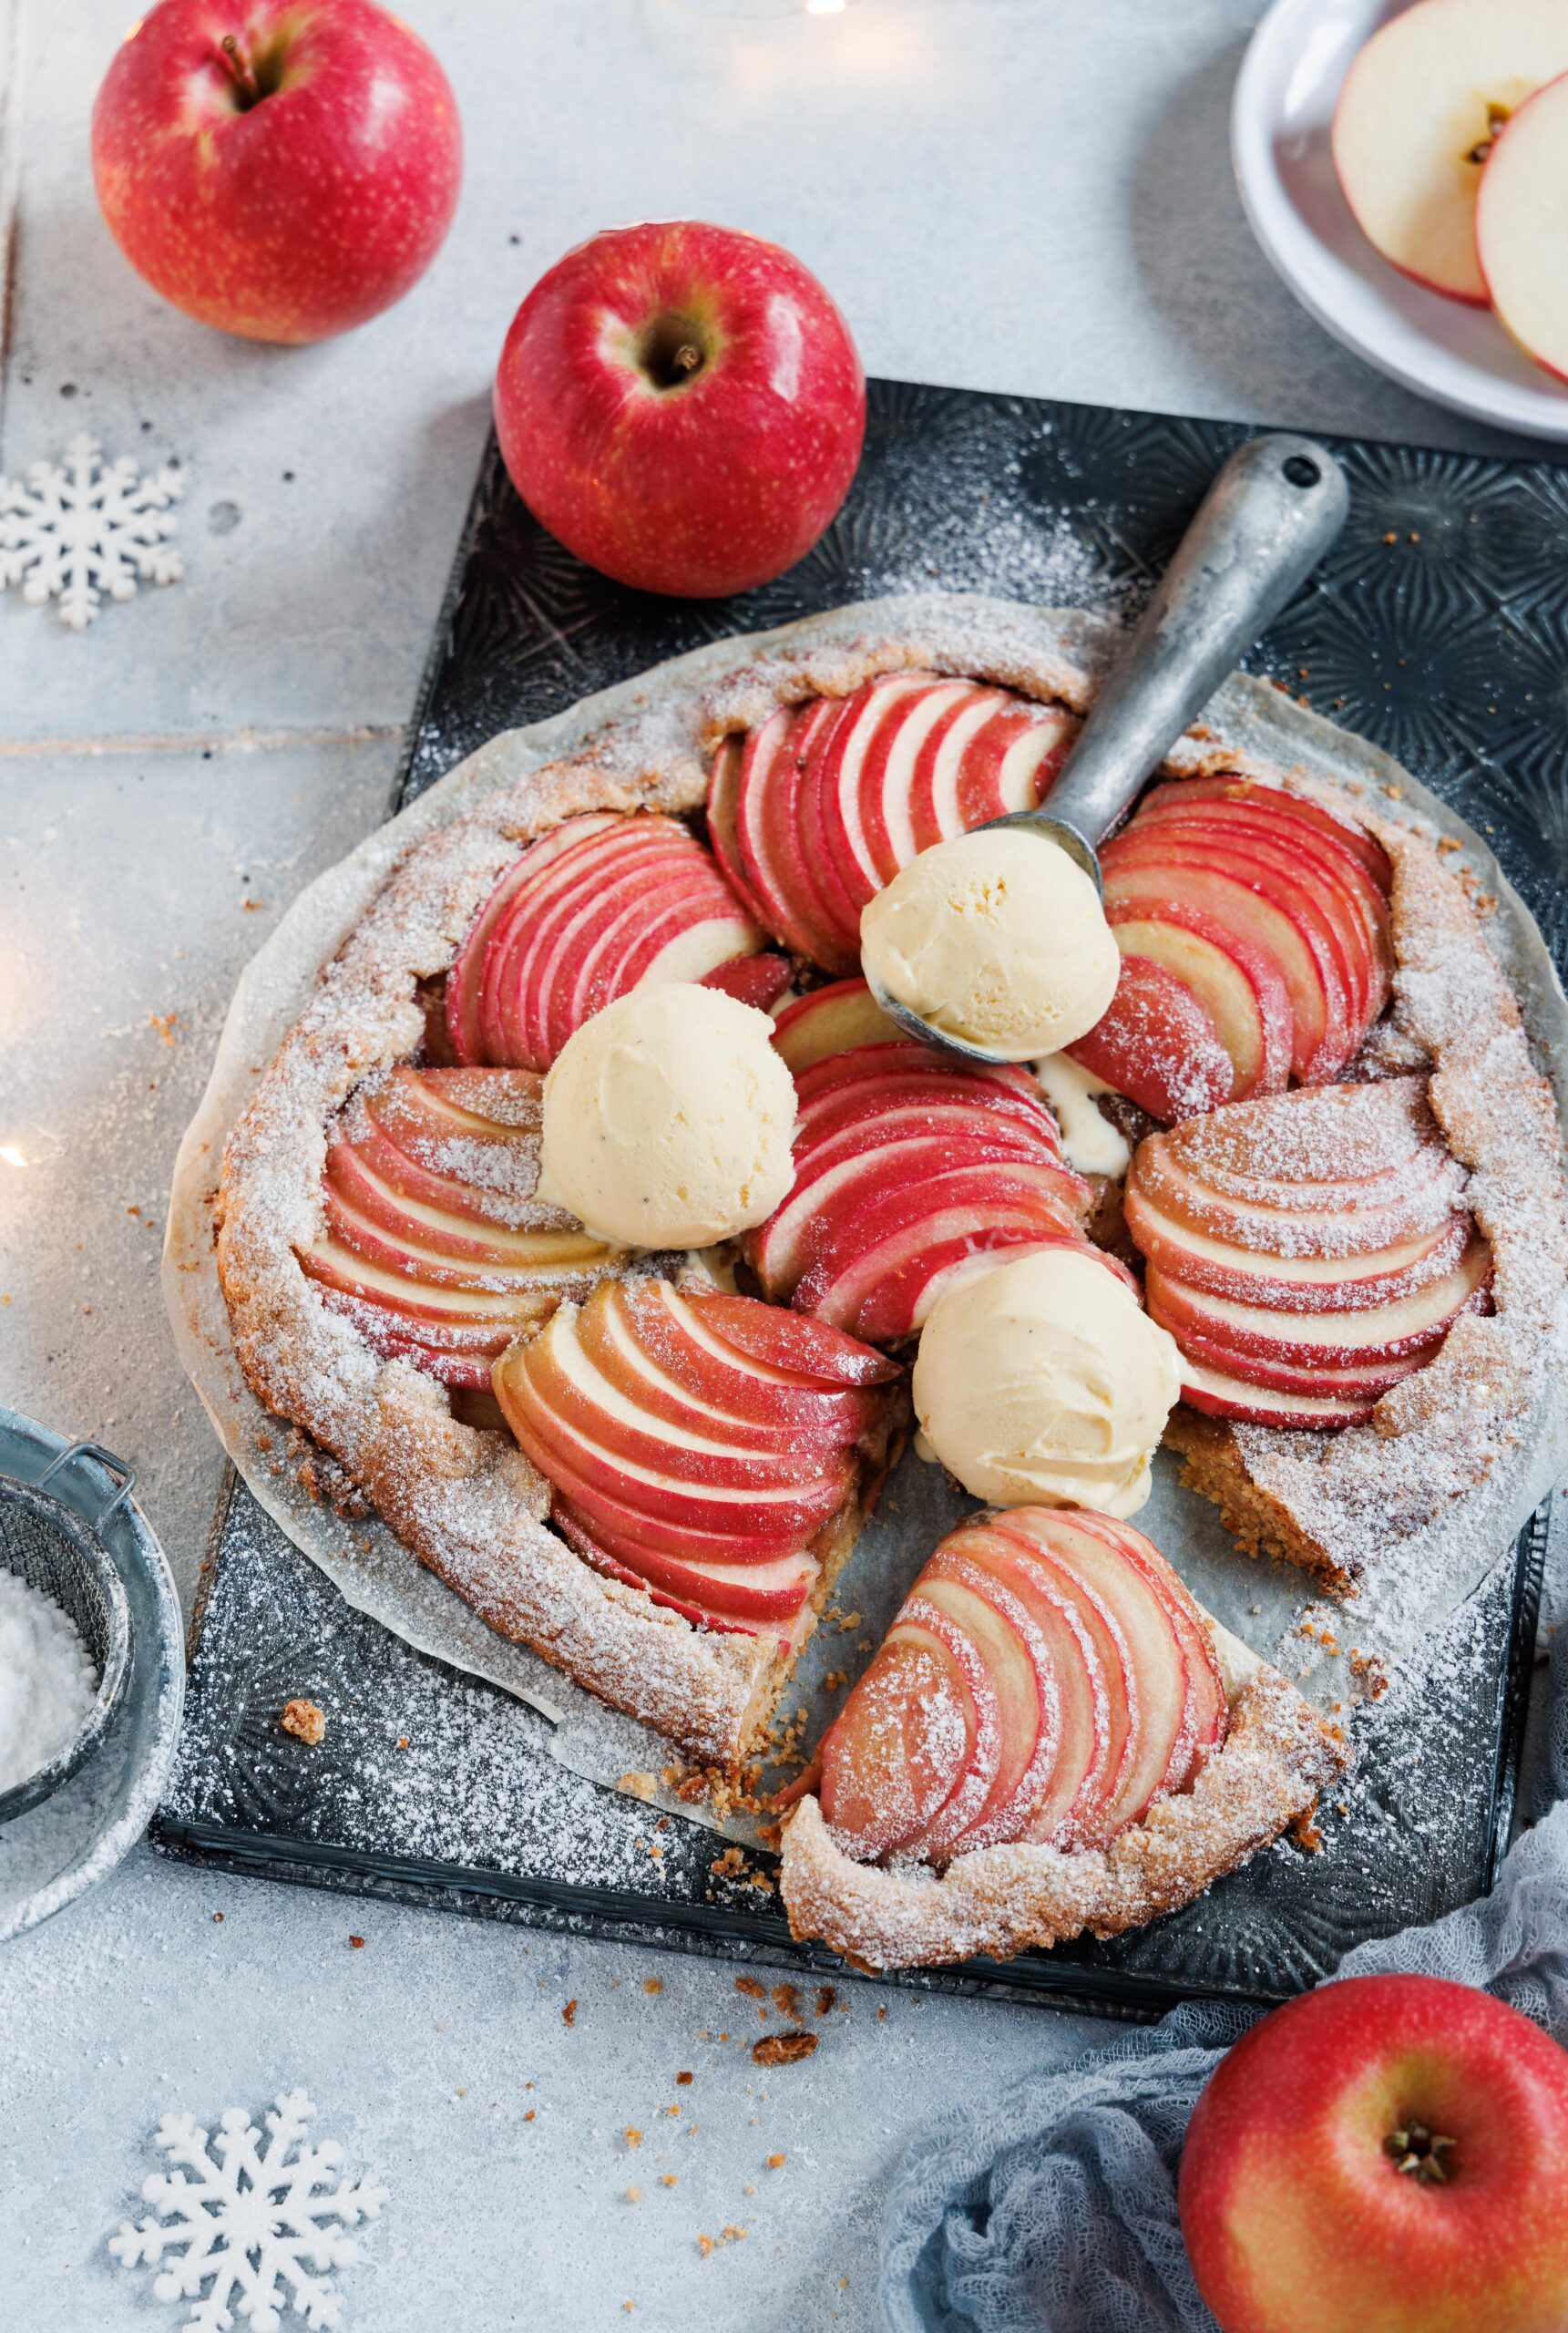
{"type": "Point", "coordinates": [1276, 1757]}
{"type": "Point", "coordinates": [1328, 1501]}
{"type": "Point", "coordinates": [466, 1501]}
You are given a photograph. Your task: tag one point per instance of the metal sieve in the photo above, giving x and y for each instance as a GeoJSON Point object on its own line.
{"type": "Point", "coordinates": [60, 1553]}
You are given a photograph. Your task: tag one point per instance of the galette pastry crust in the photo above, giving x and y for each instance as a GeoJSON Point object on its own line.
{"type": "Point", "coordinates": [471, 1507]}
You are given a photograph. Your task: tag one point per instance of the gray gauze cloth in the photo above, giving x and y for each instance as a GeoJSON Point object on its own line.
{"type": "Point", "coordinates": [1052, 2208]}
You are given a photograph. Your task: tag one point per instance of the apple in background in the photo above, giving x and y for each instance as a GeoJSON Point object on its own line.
{"type": "Point", "coordinates": [682, 407]}
{"type": "Point", "coordinates": [1421, 109]}
{"type": "Point", "coordinates": [1389, 2152]}
{"type": "Point", "coordinates": [281, 169]}
{"type": "Point", "coordinates": [1521, 227]}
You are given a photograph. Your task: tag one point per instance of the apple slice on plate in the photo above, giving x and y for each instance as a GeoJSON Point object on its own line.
{"type": "Point", "coordinates": [1521, 227]}
{"type": "Point", "coordinates": [1420, 111]}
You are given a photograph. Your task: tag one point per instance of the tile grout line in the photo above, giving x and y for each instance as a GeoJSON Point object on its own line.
{"type": "Point", "coordinates": [10, 186]}
{"type": "Point", "coordinates": [232, 740]}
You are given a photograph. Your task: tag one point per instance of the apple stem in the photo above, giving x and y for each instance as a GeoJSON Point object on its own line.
{"type": "Point", "coordinates": [1418, 2152]}
{"type": "Point", "coordinates": [242, 72]}
{"type": "Point", "coordinates": [686, 359]}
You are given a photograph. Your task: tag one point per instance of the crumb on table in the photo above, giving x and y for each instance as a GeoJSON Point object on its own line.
{"type": "Point", "coordinates": [304, 1720]}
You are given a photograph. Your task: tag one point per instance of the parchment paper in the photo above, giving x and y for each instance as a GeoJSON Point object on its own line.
{"type": "Point", "coordinates": [1407, 1594]}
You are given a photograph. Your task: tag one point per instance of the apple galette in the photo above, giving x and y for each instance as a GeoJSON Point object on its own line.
{"type": "Point", "coordinates": [1341, 1239]}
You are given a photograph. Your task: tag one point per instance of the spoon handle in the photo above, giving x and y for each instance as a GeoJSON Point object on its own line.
{"type": "Point", "coordinates": [1266, 520]}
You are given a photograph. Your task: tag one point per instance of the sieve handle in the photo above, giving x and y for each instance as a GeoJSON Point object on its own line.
{"type": "Point", "coordinates": [107, 1459]}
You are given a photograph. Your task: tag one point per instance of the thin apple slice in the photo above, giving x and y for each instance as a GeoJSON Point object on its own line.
{"type": "Point", "coordinates": [1012, 762]}
{"type": "Point", "coordinates": [1218, 1395]}
{"type": "Point", "coordinates": [937, 778]}
{"type": "Point", "coordinates": [1157, 1044]}
{"type": "Point", "coordinates": [887, 773]}
{"type": "Point", "coordinates": [1020, 1718]}
{"type": "Point", "coordinates": [797, 843]}
{"type": "Point", "coordinates": [1292, 866]}
{"type": "Point", "coordinates": [900, 1746]}
{"type": "Point", "coordinates": [1068, 1779]}
{"type": "Point", "coordinates": [762, 807]}
{"type": "Point", "coordinates": [831, 1020]}
{"type": "Point", "coordinates": [758, 980]}
{"type": "Point", "coordinates": [582, 1535]}
{"type": "Point", "coordinates": [1155, 1664]}
{"type": "Point", "coordinates": [541, 917]}
{"type": "Point", "coordinates": [339, 1267]}
{"type": "Point", "coordinates": [1340, 1339]}
{"type": "Point", "coordinates": [1352, 1279]}
{"type": "Point", "coordinates": [1522, 225]}
{"type": "Point", "coordinates": [464, 982]}
{"type": "Point", "coordinates": [1421, 110]}
{"type": "Point", "coordinates": [872, 716]}
{"type": "Point", "coordinates": [1331, 854]}
{"type": "Point", "coordinates": [723, 836]}
{"type": "Point", "coordinates": [1366, 1385]}
{"type": "Point", "coordinates": [1208, 1713]}
{"type": "Point", "coordinates": [750, 1593]}
{"type": "Point", "coordinates": [1369, 853]}
{"type": "Point", "coordinates": [1259, 1052]}
{"type": "Point", "coordinates": [1270, 877]}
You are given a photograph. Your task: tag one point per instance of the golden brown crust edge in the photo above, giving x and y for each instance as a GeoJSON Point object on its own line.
{"type": "Point", "coordinates": [1278, 1755]}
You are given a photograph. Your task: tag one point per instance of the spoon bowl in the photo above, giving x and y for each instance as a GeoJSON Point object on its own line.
{"type": "Point", "coordinates": [1266, 520]}
{"type": "Point", "coordinates": [1049, 829]}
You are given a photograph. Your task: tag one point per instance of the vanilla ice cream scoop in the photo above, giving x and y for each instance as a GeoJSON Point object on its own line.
{"type": "Point", "coordinates": [1044, 1381]}
{"type": "Point", "coordinates": [996, 938]}
{"type": "Point", "coordinates": [668, 1119]}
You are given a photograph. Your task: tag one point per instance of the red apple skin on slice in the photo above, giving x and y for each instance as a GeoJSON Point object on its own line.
{"type": "Point", "coordinates": [1368, 852]}
{"type": "Point", "coordinates": [1047, 1679]}
{"type": "Point", "coordinates": [1154, 1666]}
{"type": "Point", "coordinates": [1520, 245]}
{"type": "Point", "coordinates": [829, 1021]}
{"type": "Point", "coordinates": [1417, 115]}
{"type": "Point", "coordinates": [1330, 853]}
{"type": "Point", "coordinates": [436, 1250]}
{"type": "Point", "coordinates": [1322, 896]}
{"type": "Point", "coordinates": [901, 1745]}
{"type": "Point", "coordinates": [462, 984]}
{"type": "Point", "coordinates": [1307, 1252]}
{"type": "Point", "coordinates": [1256, 891]}
{"type": "Point", "coordinates": [758, 980]}
{"type": "Point", "coordinates": [1156, 1045]}
{"type": "Point", "coordinates": [1062, 1792]}
{"type": "Point", "coordinates": [670, 1472]}
{"type": "Point", "coordinates": [1251, 1015]}
{"type": "Point", "coordinates": [576, 921]}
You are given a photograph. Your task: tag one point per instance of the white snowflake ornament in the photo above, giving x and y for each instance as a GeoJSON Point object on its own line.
{"type": "Point", "coordinates": [254, 2224]}
{"type": "Point", "coordinates": [81, 526]}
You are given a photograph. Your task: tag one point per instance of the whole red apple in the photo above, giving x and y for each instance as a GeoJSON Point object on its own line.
{"type": "Point", "coordinates": [683, 406]}
{"type": "Point", "coordinates": [1385, 2155]}
{"type": "Point", "coordinates": [281, 169]}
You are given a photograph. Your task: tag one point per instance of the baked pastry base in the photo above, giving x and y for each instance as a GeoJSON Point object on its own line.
{"type": "Point", "coordinates": [1001, 1901]}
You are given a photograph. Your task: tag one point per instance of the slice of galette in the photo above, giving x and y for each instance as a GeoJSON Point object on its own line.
{"type": "Point", "coordinates": [1052, 1738]}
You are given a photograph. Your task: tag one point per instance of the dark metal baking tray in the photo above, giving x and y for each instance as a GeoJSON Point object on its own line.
{"type": "Point", "coordinates": [1438, 629]}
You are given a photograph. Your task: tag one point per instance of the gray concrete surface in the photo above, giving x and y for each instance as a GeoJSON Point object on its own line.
{"type": "Point", "coordinates": [1024, 195]}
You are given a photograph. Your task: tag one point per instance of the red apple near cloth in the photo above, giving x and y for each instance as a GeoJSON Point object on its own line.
{"type": "Point", "coordinates": [281, 169]}
{"type": "Point", "coordinates": [682, 407]}
{"type": "Point", "coordinates": [1389, 2155]}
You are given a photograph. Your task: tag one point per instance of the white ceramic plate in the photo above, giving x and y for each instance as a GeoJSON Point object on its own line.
{"type": "Point", "coordinates": [1280, 119]}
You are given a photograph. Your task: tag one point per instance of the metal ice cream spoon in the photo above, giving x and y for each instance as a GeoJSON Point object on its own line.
{"type": "Point", "coordinates": [1264, 523]}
